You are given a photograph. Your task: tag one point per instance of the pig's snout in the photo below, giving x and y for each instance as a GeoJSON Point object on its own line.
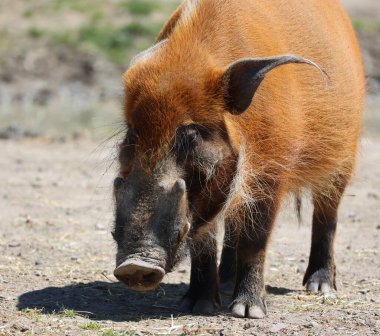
{"type": "Point", "coordinates": [139, 275]}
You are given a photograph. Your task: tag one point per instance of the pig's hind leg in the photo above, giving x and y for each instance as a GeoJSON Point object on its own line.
{"type": "Point", "coordinates": [320, 274]}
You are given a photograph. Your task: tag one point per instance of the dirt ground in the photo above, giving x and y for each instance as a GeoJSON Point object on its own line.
{"type": "Point", "coordinates": [57, 256]}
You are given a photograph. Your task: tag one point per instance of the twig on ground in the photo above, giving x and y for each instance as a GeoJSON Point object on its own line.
{"type": "Point", "coordinates": [110, 280]}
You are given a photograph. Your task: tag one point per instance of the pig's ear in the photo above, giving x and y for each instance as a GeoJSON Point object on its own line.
{"type": "Point", "coordinates": [242, 78]}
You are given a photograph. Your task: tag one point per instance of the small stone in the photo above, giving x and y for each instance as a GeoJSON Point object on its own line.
{"type": "Point", "coordinates": [23, 328]}
{"type": "Point", "coordinates": [314, 324]}
{"type": "Point", "coordinates": [373, 195]}
{"type": "Point", "coordinates": [352, 215]}
{"type": "Point", "coordinates": [100, 227]}
{"type": "Point", "coordinates": [248, 325]}
{"type": "Point", "coordinates": [278, 327]}
{"type": "Point", "coordinates": [370, 323]}
{"type": "Point", "coordinates": [38, 262]}
{"type": "Point", "coordinates": [14, 245]}
{"type": "Point", "coordinates": [301, 268]}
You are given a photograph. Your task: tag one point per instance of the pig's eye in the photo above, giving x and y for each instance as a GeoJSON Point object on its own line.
{"type": "Point", "coordinates": [186, 139]}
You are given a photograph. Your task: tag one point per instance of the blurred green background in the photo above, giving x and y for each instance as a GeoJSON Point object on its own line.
{"type": "Point", "coordinates": [61, 61]}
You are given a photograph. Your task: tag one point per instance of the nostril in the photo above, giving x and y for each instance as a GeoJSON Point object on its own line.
{"type": "Point", "coordinates": [150, 278]}
{"type": "Point", "coordinates": [124, 279]}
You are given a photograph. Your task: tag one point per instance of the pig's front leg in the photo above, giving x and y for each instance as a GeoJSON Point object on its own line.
{"type": "Point", "coordinates": [227, 267]}
{"type": "Point", "coordinates": [249, 294]}
{"type": "Point", "coordinates": [203, 293]}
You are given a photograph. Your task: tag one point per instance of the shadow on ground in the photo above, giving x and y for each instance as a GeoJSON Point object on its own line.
{"type": "Point", "coordinates": [112, 301]}
{"type": "Point", "coordinates": [105, 301]}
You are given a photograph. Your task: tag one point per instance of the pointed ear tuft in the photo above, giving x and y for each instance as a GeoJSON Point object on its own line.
{"type": "Point", "coordinates": [242, 78]}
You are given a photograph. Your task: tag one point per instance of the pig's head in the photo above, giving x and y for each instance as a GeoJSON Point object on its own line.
{"type": "Point", "coordinates": [152, 222]}
{"type": "Point", "coordinates": [163, 202]}
{"type": "Point", "coordinates": [179, 159]}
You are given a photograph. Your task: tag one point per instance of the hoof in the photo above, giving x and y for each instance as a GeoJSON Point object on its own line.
{"type": "Point", "coordinates": [198, 306]}
{"type": "Point", "coordinates": [249, 311]}
{"type": "Point", "coordinates": [320, 281]}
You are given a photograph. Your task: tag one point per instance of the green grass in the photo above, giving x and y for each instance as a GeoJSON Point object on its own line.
{"type": "Point", "coordinates": [111, 332]}
{"type": "Point", "coordinates": [90, 326]}
{"type": "Point", "coordinates": [141, 7]}
{"type": "Point", "coordinates": [116, 44]}
{"type": "Point", "coordinates": [64, 312]}
{"type": "Point", "coordinates": [36, 313]}
{"type": "Point", "coordinates": [28, 13]}
{"type": "Point", "coordinates": [97, 17]}
{"type": "Point", "coordinates": [81, 6]}
{"type": "Point", "coordinates": [137, 28]}
{"type": "Point", "coordinates": [115, 30]}
{"type": "Point", "coordinates": [366, 26]}
{"type": "Point", "coordinates": [32, 312]}
{"type": "Point", "coordinates": [112, 43]}
{"type": "Point", "coordinates": [5, 40]}
{"type": "Point", "coordinates": [35, 33]}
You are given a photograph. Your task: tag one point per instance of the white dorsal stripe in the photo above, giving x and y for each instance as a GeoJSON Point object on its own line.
{"type": "Point", "coordinates": [144, 55]}
{"type": "Point", "coordinates": [190, 6]}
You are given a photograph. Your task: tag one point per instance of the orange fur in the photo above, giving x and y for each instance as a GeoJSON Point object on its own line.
{"type": "Point", "coordinates": [299, 131]}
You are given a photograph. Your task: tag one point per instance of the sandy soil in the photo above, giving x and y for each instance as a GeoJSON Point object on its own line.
{"type": "Point", "coordinates": [57, 256]}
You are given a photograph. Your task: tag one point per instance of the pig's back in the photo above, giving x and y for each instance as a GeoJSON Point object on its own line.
{"type": "Point", "coordinates": [305, 121]}
{"type": "Point", "coordinates": [319, 116]}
